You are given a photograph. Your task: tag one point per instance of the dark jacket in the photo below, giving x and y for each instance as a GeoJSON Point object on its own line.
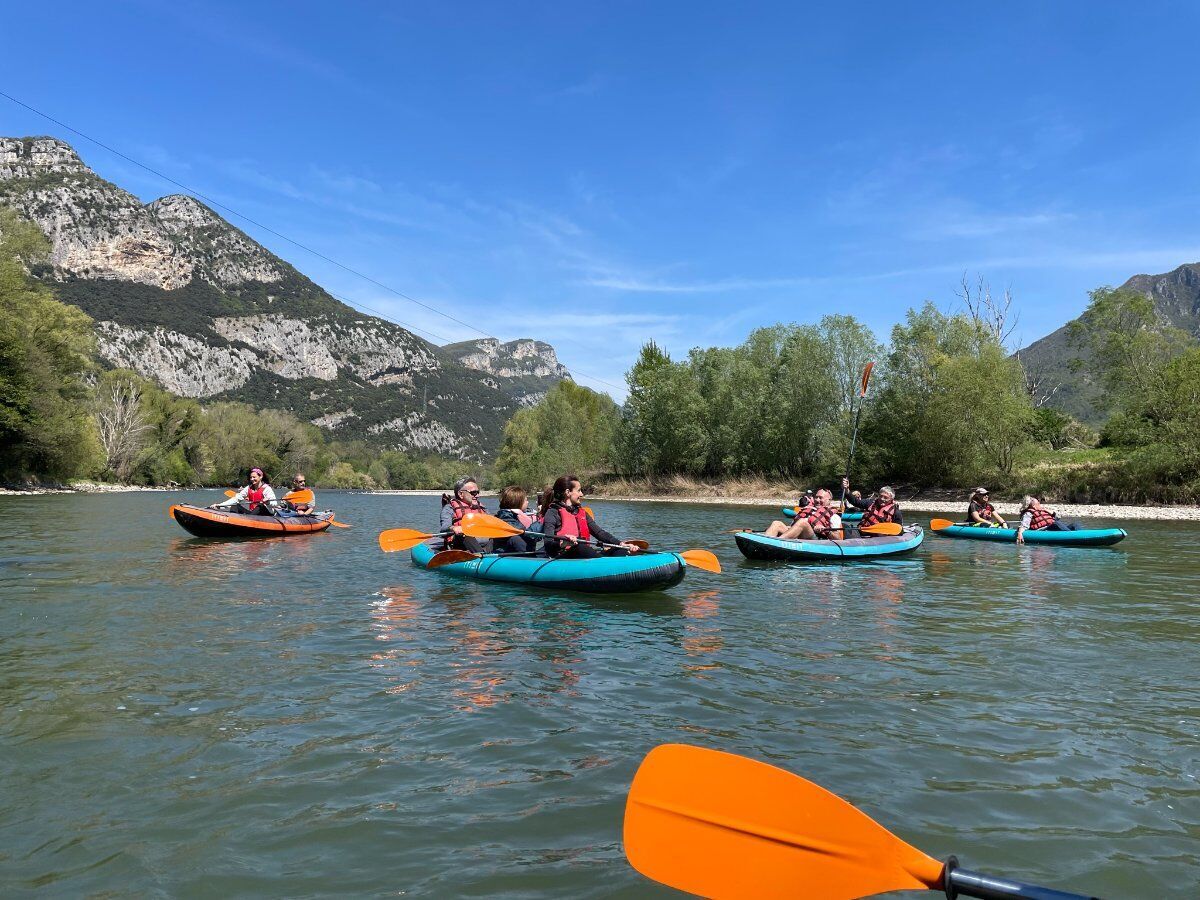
{"type": "Point", "coordinates": [518, 543]}
{"type": "Point", "coordinates": [553, 522]}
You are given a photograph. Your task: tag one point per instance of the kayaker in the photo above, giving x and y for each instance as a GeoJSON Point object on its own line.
{"type": "Point", "coordinates": [882, 508]}
{"type": "Point", "coordinates": [512, 511]}
{"type": "Point", "coordinates": [257, 498]}
{"type": "Point", "coordinates": [981, 512]}
{"type": "Point", "coordinates": [564, 517]}
{"type": "Point", "coordinates": [819, 521]}
{"type": "Point", "coordinates": [300, 483]}
{"type": "Point", "coordinates": [1035, 517]}
{"type": "Point", "coordinates": [464, 500]}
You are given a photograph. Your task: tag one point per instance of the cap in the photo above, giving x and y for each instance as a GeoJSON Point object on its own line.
{"type": "Point", "coordinates": [980, 491]}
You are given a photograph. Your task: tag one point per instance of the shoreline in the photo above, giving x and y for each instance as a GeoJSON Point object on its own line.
{"type": "Point", "coordinates": [1007, 509]}
{"type": "Point", "coordinates": [80, 487]}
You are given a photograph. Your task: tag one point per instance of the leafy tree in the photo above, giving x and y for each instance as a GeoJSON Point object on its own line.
{"type": "Point", "coordinates": [662, 429]}
{"type": "Point", "coordinates": [45, 355]}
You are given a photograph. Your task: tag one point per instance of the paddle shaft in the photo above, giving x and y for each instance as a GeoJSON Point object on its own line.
{"type": "Point", "coordinates": [988, 887]}
{"type": "Point", "coordinates": [850, 458]}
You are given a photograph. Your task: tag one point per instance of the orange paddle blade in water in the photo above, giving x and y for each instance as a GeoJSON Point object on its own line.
{"type": "Point", "coordinates": [448, 557]}
{"type": "Point", "coordinates": [882, 528]}
{"type": "Point", "coordinates": [338, 524]}
{"type": "Point", "coordinates": [939, 524]}
{"type": "Point", "coordinates": [401, 539]}
{"type": "Point", "coordinates": [483, 526]}
{"type": "Point", "coordinates": [724, 826]}
{"type": "Point", "coordinates": [702, 559]}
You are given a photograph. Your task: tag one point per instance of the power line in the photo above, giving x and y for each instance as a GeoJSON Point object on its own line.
{"type": "Point", "coordinates": [290, 240]}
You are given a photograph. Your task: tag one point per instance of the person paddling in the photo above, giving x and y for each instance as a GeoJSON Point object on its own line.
{"type": "Point", "coordinates": [257, 498]}
{"type": "Point", "coordinates": [564, 518]}
{"type": "Point", "coordinates": [819, 521]}
{"type": "Point", "coordinates": [882, 508]}
{"type": "Point", "coordinates": [981, 512]}
{"type": "Point", "coordinates": [464, 500]}
{"type": "Point", "coordinates": [512, 511]}
{"type": "Point", "coordinates": [1035, 517]}
{"type": "Point", "coordinates": [300, 483]}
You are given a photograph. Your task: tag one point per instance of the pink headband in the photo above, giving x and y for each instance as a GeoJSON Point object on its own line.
{"type": "Point", "coordinates": [256, 469]}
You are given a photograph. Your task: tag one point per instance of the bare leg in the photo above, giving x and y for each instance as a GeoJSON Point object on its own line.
{"type": "Point", "coordinates": [775, 529]}
{"type": "Point", "coordinates": [801, 531]}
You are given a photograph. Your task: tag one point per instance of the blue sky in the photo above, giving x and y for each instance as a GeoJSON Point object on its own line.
{"type": "Point", "coordinates": [597, 175]}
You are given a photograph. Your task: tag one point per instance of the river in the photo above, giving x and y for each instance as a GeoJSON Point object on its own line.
{"type": "Point", "coordinates": [312, 717]}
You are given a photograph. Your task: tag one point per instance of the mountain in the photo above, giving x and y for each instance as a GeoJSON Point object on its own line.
{"type": "Point", "coordinates": [1048, 361]}
{"type": "Point", "coordinates": [183, 297]}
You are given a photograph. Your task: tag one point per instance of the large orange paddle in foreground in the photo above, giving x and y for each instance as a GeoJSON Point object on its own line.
{"type": "Point", "coordinates": [724, 826]}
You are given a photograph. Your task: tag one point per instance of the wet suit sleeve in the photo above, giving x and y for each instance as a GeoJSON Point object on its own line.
{"type": "Point", "coordinates": [551, 522]}
{"type": "Point", "coordinates": [599, 533]}
{"type": "Point", "coordinates": [234, 500]}
{"type": "Point", "coordinates": [858, 502]}
{"type": "Point", "coordinates": [898, 518]}
{"type": "Point", "coordinates": [447, 518]}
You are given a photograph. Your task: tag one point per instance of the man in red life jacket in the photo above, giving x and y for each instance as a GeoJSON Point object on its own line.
{"type": "Point", "coordinates": [883, 508]}
{"type": "Point", "coordinates": [1035, 517]}
{"type": "Point", "coordinates": [819, 521]}
{"type": "Point", "coordinates": [464, 500]}
{"type": "Point", "coordinates": [256, 498]}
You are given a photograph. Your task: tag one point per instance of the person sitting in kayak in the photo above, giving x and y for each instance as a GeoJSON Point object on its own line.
{"type": "Point", "coordinates": [464, 500]}
{"type": "Point", "coordinates": [564, 518]}
{"type": "Point", "coordinates": [257, 498]}
{"type": "Point", "coordinates": [1035, 517]}
{"type": "Point", "coordinates": [512, 511]}
{"type": "Point", "coordinates": [819, 521]}
{"type": "Point", "coordinates": [981, 512]}
{"type": "Point", "coordinates": [300, 483]}
{"type": "Point", "coordinates": [883, 508]}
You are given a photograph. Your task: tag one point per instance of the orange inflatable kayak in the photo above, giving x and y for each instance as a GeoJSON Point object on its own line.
{"type": "Point", "coordinates": [204, 522]}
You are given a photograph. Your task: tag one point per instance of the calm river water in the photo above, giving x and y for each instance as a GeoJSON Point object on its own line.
{"type": "Point", "coordinates": [310, 717]}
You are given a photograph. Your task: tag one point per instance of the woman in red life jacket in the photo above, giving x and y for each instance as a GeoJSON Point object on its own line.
{"type": "Point", "coordinates": [257, 497]}
{"type": "Point", "coordinates": [816, 522]}
{"type": "Point", "coordinates": [464, 500]}
{"type": "Point", "coordinates": [564, 517]}
{"type": "Point", "coordinates": [981, 512]}
{"type": "Point", "coordinates": [883, 508]}
{"type": "Point", "coordinates": [1035, 517]}
{"type": "Point", "coordinates": [512, 511]}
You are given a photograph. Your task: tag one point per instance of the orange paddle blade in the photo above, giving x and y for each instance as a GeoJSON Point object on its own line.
{"type": "Point", "coordinates": [866, 378]}
{"type": "Point", "coordinates": [304, 496]}
{"type": "Point", "coordinates": [401, 539]}
{"type": "Point", "coordinates": [588, 510]}
{"type": "Point", "coordinates": [481, 525]}
{"type": "Point", "coordinates": [639, 543]}
{"type": "Point", "coordinates": [448, 557]}
{"type": "Point", "coordinates": [939, 524]}
{"type": "Point", "coordinates": [338, 524]}
{"type": "Point", "coordinates": [882, 528]}
{"type": "Point", "coordinates": [724, 826]}
{"type": "Point", "coordinates": [702, 559]}
{"type": "Point", "coordinates": [231, 493]}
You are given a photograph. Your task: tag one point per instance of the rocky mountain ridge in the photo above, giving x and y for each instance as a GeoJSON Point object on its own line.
{"type": "Point", "coordinates": [183, 297]}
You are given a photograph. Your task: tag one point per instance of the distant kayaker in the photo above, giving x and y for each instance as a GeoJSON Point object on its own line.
{"type": "Point", "coordinates": [981, 512]}
{"type": "Point", "coordinates": [882, 508]}
{"type": "Point", "coordinates": [512, 511]}
{"type": "Point", "coordinates": [1035, 517]}
{"type": "Point", "coordinates": [564, 517]}
{"type": "Point", "coordinates": [464, 500]}
{"type": "Point", "coordinates": [256, 498]}
{"type": "Point", "coordinates": [300, 483]}
{"type": "Point", "coordinates": [819, 521]}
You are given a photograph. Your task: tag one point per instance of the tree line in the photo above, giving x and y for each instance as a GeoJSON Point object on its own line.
{"type": "Point", "coordinates": [948, 406]}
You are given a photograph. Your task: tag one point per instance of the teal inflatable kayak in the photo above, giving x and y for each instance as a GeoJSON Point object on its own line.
{"type": "Point", "coordinates": [604, 575]}
{"type": "Point", "coordinates": [758, 546]}
{"type": "Point", "coordinates": [853, 516]}
{"type": "Point", "coordinates": [1086, 537]}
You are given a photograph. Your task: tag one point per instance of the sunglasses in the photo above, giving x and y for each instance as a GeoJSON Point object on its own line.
{"type": "Point", "coordinates": [473, 493]}
{"type": "Point", "coordinates": [298, 481]}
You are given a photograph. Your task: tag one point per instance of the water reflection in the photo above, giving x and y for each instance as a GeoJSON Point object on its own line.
{"type": "Point", "coordinates": [702, 629]}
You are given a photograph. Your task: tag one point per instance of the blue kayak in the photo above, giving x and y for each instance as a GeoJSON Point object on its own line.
{"type": "Point", "coordinates": [853, 516]}
{"type": "Point", "coordinates": [604, 575]}
{"type": "Point", "coordinates": [1089, 537]}
{"type": "Point", "coordinates": [758, 546]}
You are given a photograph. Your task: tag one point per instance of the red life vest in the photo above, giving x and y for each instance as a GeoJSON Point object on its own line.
{"type": "Point", "coordinates": [819, 518]}
{"type": "Point", "coordinates": [254, 497]}
{"type": "Point", "coordinates": [878, 512]}
{"type": "Point", "coordinates": [460, 509]}
{"type": "Point", "coordinates": [1039, 519]}
{"type": "Point", "coordinates": [573, 524]}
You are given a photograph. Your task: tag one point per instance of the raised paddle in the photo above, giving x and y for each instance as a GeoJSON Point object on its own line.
{"type": "Point", "coordinates": [404, 538]}
{"type": "Point", "coordinates": [481, 525]}
{"type": "Point", "coordinates": [862, 396]}
{"type": "Point", "coordinates": [725, 826]}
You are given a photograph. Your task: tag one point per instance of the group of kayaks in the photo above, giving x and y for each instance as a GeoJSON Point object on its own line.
{"type": "Point", "coordinates": [638, 571]}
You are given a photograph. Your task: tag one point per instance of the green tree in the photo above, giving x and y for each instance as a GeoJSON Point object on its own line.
{"type": "Point", "coordinates": [45, 355]}
{"type": "Point", "coordinates": [662, 428]}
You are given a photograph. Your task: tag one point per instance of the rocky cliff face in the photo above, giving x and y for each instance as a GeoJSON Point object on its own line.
{"type": "Point", "coordinates": [182, 297]}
